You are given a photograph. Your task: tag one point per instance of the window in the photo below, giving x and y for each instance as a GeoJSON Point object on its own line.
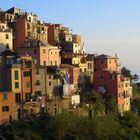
{"type": "Point", "coordinates": [55, 63]}
{"type": "Point", "coordinates": [17, 97]}
{"type": "Point", "coordinates": [37, 82]}
{"type": "Point", "coordinates": [51, 63]}
{"type": "Point", "coordinates": [101, 77]}
{"type": "Point", "coordinates": [16, 75]}
{"type": "Point", "coordinates": [37, 71]}
{"type": "Point", "coordinates": [49, 76]}
{"type": "Point", "coordinates": [5, 96]}
{"type": "Point", "coordinates": [111, 76]}
{"type": "Point", "coordinates": [55, 52]}
{"type": "Point", "coordinates": [7, 46]}
{"type": "Point", "coordinates": [109, 61]}
{"type": "Point", "coordinates": [28, 84]}
{"type": "Point", "coordinates": [28, 97]}
{"type": "Point", "coordinates": [6, 36]}
{"type": "Point", "coordinates": [35, 51]}
{"type": "Point", "coordinates": [5, 108]}
{"type": "Point", "coordinates": [7, 16]}
{"type": "Point", "coordinates": [90, 65]}
{"type": "Point", "coordinates": [44, 51]}
{"type": "Point", "coordinates": [50, 83]}
{"type": "Point", "coordinates": [126, 85]}
{"type": "Point", "coordinates": [84, 69]}
{"type": "Point", "coordinates": [44, 63]}
{"type": "Point", "coordinates": [16, 84]}
{"type": "Point", "coordinates": [26, 73]}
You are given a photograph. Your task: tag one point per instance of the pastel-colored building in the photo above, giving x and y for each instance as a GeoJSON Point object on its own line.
{"type": "Point", "coordinates": [76, 39]}
{"type": "Point", "coordinates": [71, 47]}
{"type": "Point", "coordinates": [6, 38]}
{"type": "Point", "coordinates": [9, 15]}
{"type": "Point", "coordinates": [127, 87]}
{"type": "Point", "coordinates": [127, 93]}
{"type": "Point", "coordinates": [106, 62]}
{"type": "Point", "coordinates": [90, 66]}
{"type": "Point", "coordinates": [40, 80]}
{"type": "Point", "coordinates": [7, 107]}
{"type": "Point", "coordinates": [110, 82]}
{"type": "Point", "coordinates": [20, 74]}
{"type": "Point", "coordinates": [45, 54]}
{"type": "Point", "coordinates": [71, 58]}
{"type": "Point", "coordinates": [108, 78]}
{"type": "Point", "coordinates": [127, 105]}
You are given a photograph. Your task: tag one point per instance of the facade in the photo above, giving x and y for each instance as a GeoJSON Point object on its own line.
{"type": "Point", "coordinates": [70, 47]}
{"type": "Point", "coordinates": [53, 33]}
{"type": "Point", "coordinates": [127, 93]}
{"type": "Point", "coordinates": [76, 39]}
{"type": "Point", "coordinates": [70, 58]}
{"type": "Point", "coordinates": [40, 80]}
{"type": "Point", "coordinates": [7, 107]}
{"type": "Point", "coordinates": [110, 82]}
{"type": "Point", "coordinates": [20, 74]}
{"type": "Point", "coordinates": [18, 79]}
{"type": "Point", "coordinates": [6, 38]}
{"type": "Point", "coordinates": [90, 67]}
{"type": "Point", "coordinates": [106, 62]}
{"type": "Point", "coordinates": [45, 54]}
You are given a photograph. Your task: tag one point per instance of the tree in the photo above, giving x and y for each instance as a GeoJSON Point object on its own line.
{"type": "Point", "coordinates": [111, 105]}
{"type": "Point", "coordinates": [135, 77]}
{"type": "Point", "coordinates": [127, 73]}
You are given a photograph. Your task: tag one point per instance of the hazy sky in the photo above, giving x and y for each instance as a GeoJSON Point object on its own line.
{"type": "Point", "coordinates": [107, 26]}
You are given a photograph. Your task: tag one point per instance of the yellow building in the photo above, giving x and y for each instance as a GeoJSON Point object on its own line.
{"type": "Point", "coordinates": [126, 103]}
{"type": "Point", "coordinates": [76, 38]}
{"type": "Point", "coordinates": [127, 93]}
{"type": "Point", "coordinates": [6, 38]}
{"type": "Point", "coordinates": [76, 60]}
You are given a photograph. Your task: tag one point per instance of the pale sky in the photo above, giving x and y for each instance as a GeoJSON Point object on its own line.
{"type": "Point", "coordinates": [107, 26]}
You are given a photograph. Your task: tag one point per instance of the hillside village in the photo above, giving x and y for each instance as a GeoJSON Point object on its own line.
{"type": "Point", "coordinates": [44, 68]}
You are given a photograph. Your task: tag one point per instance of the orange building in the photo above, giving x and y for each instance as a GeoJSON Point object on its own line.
{"type": "Point", "coordinates": [106, 62]}
{"type": "Point", "coordinates": [20, 74]}
{"type": "Point", "coordinates": [7, 107]}
{"type": "Point", "coordinates": [19, 79]}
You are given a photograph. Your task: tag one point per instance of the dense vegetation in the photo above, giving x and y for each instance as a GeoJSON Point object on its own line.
{"type": "Point", "coordinates": [101, 123]}
{"type": "Point", "coordinates": [69, 126]}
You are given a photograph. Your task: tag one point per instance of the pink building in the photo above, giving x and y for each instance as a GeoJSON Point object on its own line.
{"type": "Point", "coordinates": [45, 54]}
